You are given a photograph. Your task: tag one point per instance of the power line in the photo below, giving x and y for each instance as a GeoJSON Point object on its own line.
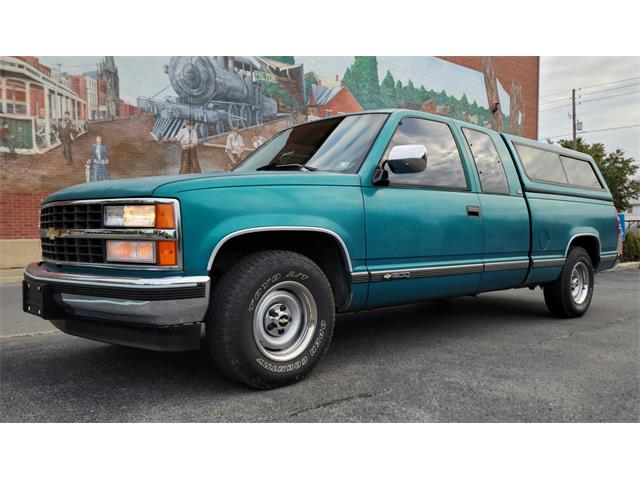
{"type": "Point", "coordinates": [550, 102]}
{"type": "Point", "coordinates": [609, 89]}
{"type": "Point", "coordinates": [591, 86]}
{"type": "Point", "coordinates": [590, 100]}
{"type": "Point", "coordinates": [609, 83]}
{"type": "Point", "coordinates": [598, 130]}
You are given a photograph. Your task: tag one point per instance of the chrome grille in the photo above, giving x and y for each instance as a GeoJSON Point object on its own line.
{"type": "Point", "coordinates": [80, 215]}
{"type": "Point", "coordinates": [72, 216]}
{"type": "Point", "coordinates": [73, 250]}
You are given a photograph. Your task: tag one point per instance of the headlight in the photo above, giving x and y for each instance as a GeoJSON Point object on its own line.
{"type": "Point", "coordinates": [129, 215]}
{"type": "Point", "coordinates": [160, 215]}
{"type": "Point", "coordinates": [135, 252]}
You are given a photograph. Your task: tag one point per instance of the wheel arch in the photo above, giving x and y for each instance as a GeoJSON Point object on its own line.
{"type": "Point", "coordinates": [325, 247]}
{"type": "Point", "coordinates": [590, 242]}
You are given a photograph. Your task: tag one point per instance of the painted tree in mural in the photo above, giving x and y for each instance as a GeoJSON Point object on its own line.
{"type": "Point", "coordinates": [361, 78]}
{"type": "Point", "coordinates": [388, 91]}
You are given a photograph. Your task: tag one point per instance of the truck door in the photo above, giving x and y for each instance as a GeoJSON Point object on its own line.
{"type": "Point", "coordinates": [423, 233]}
{"type": "Point", "coordinates": [503, 210]}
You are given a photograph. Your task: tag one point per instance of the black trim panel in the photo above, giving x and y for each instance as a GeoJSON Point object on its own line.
{"type": "Point", "coordinates": [149, 294]}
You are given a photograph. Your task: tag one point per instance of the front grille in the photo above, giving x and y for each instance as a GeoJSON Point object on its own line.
{"type": "Point", "coordinates": [80, 216]}
{"type": "Point", "coordinates": [73, 250]}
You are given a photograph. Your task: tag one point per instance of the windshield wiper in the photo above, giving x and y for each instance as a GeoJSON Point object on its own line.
{"type": "Point", "coordinates": [287, 166]}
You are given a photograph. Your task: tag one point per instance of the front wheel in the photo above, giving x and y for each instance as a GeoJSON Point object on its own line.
{"type": "Point", "coordinates": [570, 295]}
{"type": "Point", "coordinates": [271, 319]}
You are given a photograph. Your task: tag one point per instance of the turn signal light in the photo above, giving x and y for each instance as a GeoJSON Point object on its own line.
{"type": "Point", "coordinates": [165, 217]}
{"type": "Point", "coordinates": [166, 252]}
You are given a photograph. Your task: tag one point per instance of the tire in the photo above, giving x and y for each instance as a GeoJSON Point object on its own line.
{"type": "Point", "coordinates": [570, 295]}
{"type": "Point", "coordinates": [271, 319]}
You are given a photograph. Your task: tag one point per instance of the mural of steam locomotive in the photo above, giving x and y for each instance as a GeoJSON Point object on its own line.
{"type": "Point", "coordinates": [218, 93]}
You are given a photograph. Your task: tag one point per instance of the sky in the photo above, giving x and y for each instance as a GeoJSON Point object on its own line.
{"type": "Point", "coordinates": [594, 78]}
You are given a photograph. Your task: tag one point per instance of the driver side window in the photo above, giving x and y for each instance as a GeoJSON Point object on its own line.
{"type": "Point", "coordinates": [444, 164]}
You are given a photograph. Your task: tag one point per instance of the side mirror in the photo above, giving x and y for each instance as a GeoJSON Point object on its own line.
{"type": "Point", "coordinates": [407, 159]}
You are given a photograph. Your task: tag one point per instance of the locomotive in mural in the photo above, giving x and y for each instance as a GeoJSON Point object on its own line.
{"type": "Point", "coordinates": [219, 93]}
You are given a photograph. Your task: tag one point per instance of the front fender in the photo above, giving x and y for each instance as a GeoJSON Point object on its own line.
{"type": "Point", "coordinates": [210, 216]}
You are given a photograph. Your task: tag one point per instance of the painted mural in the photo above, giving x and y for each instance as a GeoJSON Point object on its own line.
{"type": "Point", "coordinates": [66, 120]}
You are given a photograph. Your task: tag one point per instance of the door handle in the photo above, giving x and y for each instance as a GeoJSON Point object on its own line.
{"type": "Point", "coordinates": [473, 210]}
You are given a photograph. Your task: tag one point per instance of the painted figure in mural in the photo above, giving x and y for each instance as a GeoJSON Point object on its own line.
{"type": "Point", "coordinates": [187, 137]}
{"type": "Point", "coordinates": [99, 161]}
{"type": "Point", "coordinates": [257, 138]}
{"type": "Point", "coordinates": [234, 148]}
{"type": "Point", "coordinates": [67, 132]}
{"type": "Point", "coordinates": [6, 137]}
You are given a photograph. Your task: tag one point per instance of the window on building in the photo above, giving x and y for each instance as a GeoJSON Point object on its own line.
{"type": "Point", "coordinates": [487, 160]}
{"type": "Point", "coordinates": [541, 165]}
{"type": "Point", "coordinates": [444, 164]}
{"type": "Point", "coordinates": [329, 113]}
{"type": "Point", "coordinates": [580, 173]}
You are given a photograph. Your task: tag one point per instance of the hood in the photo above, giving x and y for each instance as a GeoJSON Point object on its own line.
{"type": "Point", "coordinates": [171, 185]}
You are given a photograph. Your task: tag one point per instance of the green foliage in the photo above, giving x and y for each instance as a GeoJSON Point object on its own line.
{"type": "Point", "coordinates": [309, 79]}
{"type": "Point", "coordinates": [388, 91]}
{"type": "Point", "coordinates": [288, 60]}
{"type": "Point", "coordinates": [274, 90]}
{"type": "Point", "coordinates": [361, 78]}
{"type": "Point", "coordinates": [617, 170]}
{"type": "Point", "coordinates": [631, 248]}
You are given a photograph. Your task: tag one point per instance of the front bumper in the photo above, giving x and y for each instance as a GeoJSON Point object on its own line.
{"type": "Point", "coordinates": [105, 308]}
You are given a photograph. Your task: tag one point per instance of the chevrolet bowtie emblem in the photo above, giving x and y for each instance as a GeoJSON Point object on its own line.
{"type": "Point", "coordinates": [52, 233]}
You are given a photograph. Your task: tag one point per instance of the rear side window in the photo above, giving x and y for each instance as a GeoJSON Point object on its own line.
{"type": "Point", "coordinates": [488, 163]}
{"type": "Point", "coordinates": [580, 173]}
{"type": "Point", "coordinates": [444, 164]}
{"type": "Point", "coordinates": [541, 165]}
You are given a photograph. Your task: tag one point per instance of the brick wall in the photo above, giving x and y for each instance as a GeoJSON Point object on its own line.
{"type": "Point", "coordinates": [521, 70]}
{"type": "Point", "coordinates": [20, 214]}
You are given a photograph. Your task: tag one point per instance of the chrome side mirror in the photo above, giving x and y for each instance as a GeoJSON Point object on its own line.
{"type": "Point", "coordinates": [407, 159]}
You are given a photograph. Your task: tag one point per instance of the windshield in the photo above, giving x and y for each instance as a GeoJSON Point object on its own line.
{"type": "Point", "coordinates": [338, 144]}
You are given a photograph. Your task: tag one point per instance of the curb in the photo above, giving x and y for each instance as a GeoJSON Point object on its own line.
{"type": "Point", "coordinates": [11, 275]}
{"type": "Point", "coordinates": [626, 266]}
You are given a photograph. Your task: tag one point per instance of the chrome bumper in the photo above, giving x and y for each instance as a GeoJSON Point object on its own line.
{"type": "Point", "coordinates": [151, 302]}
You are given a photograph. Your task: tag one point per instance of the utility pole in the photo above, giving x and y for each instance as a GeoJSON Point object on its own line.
{"type": "Point", "coordinates": [573, 116]}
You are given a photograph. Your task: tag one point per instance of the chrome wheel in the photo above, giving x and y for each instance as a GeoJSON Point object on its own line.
{"type": "Point", "coordinates": [284, 321]}
{"type": "Point", "coordinates": [580, 281]}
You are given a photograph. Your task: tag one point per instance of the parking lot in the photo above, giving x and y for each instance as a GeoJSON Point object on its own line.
{"type": "Point", "coordinates": [496, 358]}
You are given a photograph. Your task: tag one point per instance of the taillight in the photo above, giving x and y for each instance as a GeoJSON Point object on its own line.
{"type": "Point", "coordinates": [618, 222]}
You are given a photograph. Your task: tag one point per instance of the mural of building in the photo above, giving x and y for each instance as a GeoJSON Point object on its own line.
{"type": "Point", "coordinates": [108, 73]}
{"type": "Point", "coordinates": [327, 98]}
{"type": "Point", "coordinates": [136, 105]}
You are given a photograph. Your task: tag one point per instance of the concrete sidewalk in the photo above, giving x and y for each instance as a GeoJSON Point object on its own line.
{"type": "Point", "coordinates": [11, 275]}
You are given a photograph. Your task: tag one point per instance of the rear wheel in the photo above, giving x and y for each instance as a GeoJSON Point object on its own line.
{"type": "Point", "coordinates": [570, 295]}
{"type": "Point", "coordinates": [271, 319]}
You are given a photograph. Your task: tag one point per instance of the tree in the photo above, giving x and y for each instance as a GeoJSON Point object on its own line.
{"type": "Point", "coordinates": [361, 78]}
{"type": "Point", "coordinates": [617, 170]}
{"type": "Point", "coordinates": [388, 91]}
{"type": "Point", "coordinates": [309, 79]}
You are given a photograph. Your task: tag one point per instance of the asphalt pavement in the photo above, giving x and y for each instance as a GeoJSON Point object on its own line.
{"type": "Point", "coordinates": [498, 357]}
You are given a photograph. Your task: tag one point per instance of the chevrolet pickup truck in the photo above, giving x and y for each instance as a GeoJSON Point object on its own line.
{"type": "Point", "coordinates": [341, 214]}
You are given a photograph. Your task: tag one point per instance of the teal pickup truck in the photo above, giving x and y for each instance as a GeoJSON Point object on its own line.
{"type": "Point", "coordinates": [345, 213]}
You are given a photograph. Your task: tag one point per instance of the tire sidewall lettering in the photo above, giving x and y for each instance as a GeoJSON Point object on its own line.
{"type": "Point", "coordinates": [276, 367]}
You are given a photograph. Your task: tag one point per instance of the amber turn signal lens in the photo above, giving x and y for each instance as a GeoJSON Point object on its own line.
{"type": "Point", "coordinates": [167, 254]}
{"type": "Point", "coordinates": [165, 217]}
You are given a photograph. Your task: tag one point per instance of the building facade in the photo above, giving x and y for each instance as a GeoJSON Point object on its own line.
{"type": "Point", "coordinates": [136, 104]}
